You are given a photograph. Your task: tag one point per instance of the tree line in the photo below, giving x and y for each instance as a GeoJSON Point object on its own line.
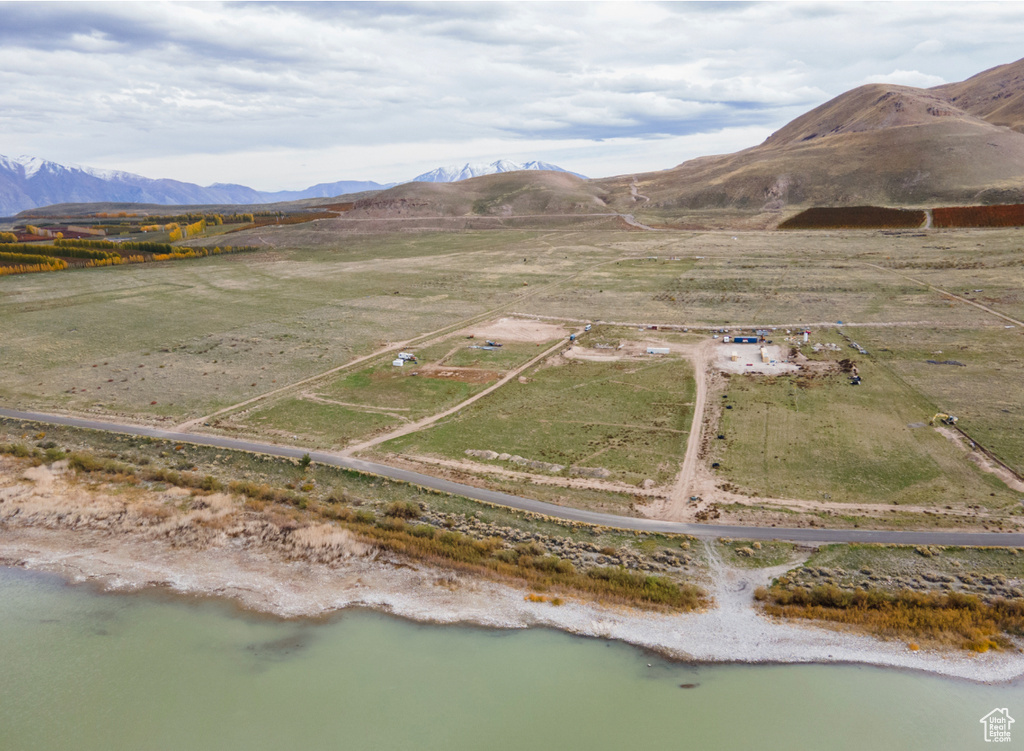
{"type": "Point", "coordinates": [50, 258]}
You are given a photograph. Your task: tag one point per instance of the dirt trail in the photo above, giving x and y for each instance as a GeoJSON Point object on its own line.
{"type": "Point", "coordinates": [985, 463]}
{"type": "Point", "coordinates": [733, 588]}
{"type": "Point", "coordinates": [635, 193]}
{"type": "Point", "coordinates": [948, 294]}
{"type": "Point", "coordinates": [632, 222]}
{"type": "Point", "coordinates": [427, 421]}
{"type": "Point", "coordinates": [675, 507]}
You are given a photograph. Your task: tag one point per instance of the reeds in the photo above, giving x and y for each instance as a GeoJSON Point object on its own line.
{"type": "Point", "coordinates": [953, 618]}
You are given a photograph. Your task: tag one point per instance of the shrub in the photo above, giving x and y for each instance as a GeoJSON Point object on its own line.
{"type": "Point", "coordinates": [506, 556]}
{"type": "Point", "coordinates": [54, 454]}
{"type": "Point", "coordinates": [19, 450]}
{"type": "Point", "coordinates": [531, 548]}
{"type": "Point", "coordinates": [403, 510]}
{"type": "Point", "coordinates": [953, 618]}
{"type": "Point", "coordinates": [393, 523]}
{"type": "Point", "coordinates": [85, 462]}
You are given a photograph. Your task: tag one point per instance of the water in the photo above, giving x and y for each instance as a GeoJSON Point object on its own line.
{"type": "Point", "coordinates": [82, 670]}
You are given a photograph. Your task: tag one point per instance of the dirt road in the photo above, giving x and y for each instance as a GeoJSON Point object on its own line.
{"type": "Point", "coordinates": [674, 508]}
{"type": "Point", "coordinates": [816, 535]}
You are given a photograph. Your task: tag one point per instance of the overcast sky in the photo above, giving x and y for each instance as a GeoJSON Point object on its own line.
{"type": "Point", "coordinates": [285, 95]}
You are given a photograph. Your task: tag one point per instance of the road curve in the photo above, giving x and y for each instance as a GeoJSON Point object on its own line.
{"type": "Point", "coordinates": [810, 535]}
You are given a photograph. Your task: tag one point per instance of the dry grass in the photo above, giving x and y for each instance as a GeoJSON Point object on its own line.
{"type": "Point", "coordinates": [319, 540]}
{"type": "Point", "coordinates": [948, 619]}
{"type": "Point", "coordinates": [102, 495]}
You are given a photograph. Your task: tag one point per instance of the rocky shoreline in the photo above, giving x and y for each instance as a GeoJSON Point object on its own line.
{"type": "Point", "coordinates": [272, 584]}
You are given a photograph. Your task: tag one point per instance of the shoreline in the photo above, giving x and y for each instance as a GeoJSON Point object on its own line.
{"type": "Point", "coordinates": [268, 583]}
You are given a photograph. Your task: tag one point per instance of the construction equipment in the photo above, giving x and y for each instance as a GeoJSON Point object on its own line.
{"type": "Point", "coordinates": [943, 418]}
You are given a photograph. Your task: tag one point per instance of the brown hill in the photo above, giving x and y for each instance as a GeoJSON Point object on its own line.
{"type": "Point", "coordinates": [877, 144]}
{"type": "Point", "coordinates": [506, 194]}
{"type": "Point", "coordinates": [996, 95]}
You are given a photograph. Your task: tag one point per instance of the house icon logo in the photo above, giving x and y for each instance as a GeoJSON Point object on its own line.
{"type": "Point", "coordinates": [997, 726]}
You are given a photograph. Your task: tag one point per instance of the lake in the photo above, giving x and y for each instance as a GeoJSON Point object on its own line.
{"type": "Point", "coordinates": [88, 670]}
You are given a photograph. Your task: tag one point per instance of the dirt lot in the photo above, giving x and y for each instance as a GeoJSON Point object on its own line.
{"type": "Point", "coordinates": [627, 350]}
{"type": "Point", "coordinates": [517, 330]}
{"type": "Point", "coordinates": [466, 375]}
{"type": "Point", "coordinates": [750, 359]}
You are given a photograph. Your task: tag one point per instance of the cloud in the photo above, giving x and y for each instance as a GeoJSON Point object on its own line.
{"type": "Point", "coordinates": [217, 85]}
{"type": "Point", "coordinates": [908, 78]}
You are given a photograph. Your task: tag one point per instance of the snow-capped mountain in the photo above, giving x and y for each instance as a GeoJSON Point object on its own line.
{"type": "Point", "coordinates": [27, 182]}
{"type": "Point", "coordinates": [455, 173]}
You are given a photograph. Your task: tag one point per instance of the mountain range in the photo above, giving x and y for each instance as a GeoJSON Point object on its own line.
{"type": "Point", "coordinates": [29, 182]}
{"type": "Point", "coordinates": [467, 171]}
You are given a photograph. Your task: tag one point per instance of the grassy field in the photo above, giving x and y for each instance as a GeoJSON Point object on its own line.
{"type": "Point", "coordinates": [168, 342]}
{"type": "Point", "coordinates": [316, 424]}
{"type": "Point", "coordinates": [984, 392]}
{"type": "Point", "coordinates": [901, 561]}
{"type": "Point", "coordinates": [745, 554]}
{"type": "Point", "coordinates": [228, 328]}
{"type": "Point", "coordinates": [382, 396]}
{"type": "Point", "coordinates": [822, 439]}
{"type": "Point", "coordinates": [629, 418]}
{"type": "Point", "coordinates": [789, 277]}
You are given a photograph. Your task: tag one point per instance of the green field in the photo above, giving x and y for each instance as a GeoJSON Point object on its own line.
{"type": "Point", "coordinates": [984, 391]}
{"type": "Point", "coordinates": [822, 439]}
{"type": "Point", "coordinates": [387, 387]}
{"type": "Point", "coordinates": [316, 424]}
{"type": "Point", "coordinates": [630, 418]}
{"type": "Point", "coordinates": [366, 400]}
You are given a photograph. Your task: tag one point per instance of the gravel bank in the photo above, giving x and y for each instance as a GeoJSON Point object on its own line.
{"type": "Point", "coordinates": [269, 582]}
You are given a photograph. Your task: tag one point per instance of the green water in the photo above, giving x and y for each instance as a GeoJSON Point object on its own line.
{"type": "Point", "coordinates": [82, 670]}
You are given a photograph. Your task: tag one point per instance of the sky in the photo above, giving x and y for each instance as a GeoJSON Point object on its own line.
{"type": "Point", "coordinates": [286, 95]}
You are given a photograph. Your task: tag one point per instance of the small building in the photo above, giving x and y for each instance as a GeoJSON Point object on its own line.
{"type": "Point", "coordinates": [735, 356]}
{"type": "Point", "coordinates": [398, 362]}
{"type": "Point", "coordinates": [657, 350]}
{"type": "Point", "coordinates": [764, 355]}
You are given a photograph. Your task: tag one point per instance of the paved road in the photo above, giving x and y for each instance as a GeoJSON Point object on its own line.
{"type": "Point", "coordinates": [812, 535]}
